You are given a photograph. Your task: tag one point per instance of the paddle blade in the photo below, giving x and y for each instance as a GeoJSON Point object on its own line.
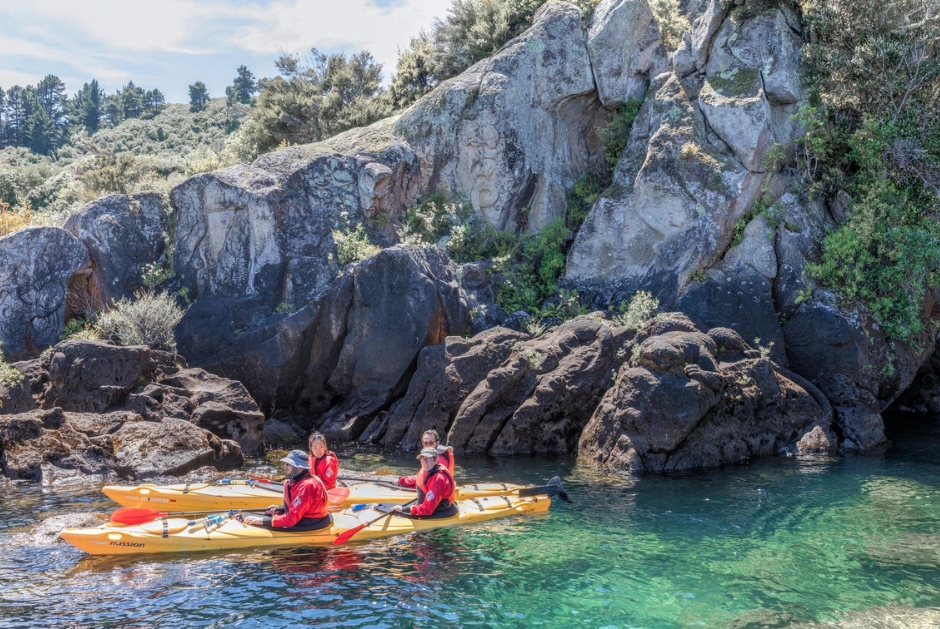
{"type": "Point", "coordinates": [136, 515]}
{"type": "Point", "coordinates": [345, 537]}
{"type": "Point", "coordinates": [337, 495]}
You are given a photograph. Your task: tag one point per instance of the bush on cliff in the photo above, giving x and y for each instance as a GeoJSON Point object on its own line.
{"type": "Point", "coordinates": [873, 131]}
{"type": "Point", "coordinates": [150, 319]}
{"type": "Point", "coordinates": [9, 375]}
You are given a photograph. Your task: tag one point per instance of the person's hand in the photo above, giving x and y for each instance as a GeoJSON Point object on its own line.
{"type": "Point", "coordinates": [272, 510]}
{"type": "Point", "coordinates": [397, 508]}
{"type": "Point", "coordinates": [249, 519]}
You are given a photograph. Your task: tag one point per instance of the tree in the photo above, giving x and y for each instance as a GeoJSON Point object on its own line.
{"type": "Point", "coordinates": [315, 100]}
{"type": "Point", "coordinates": [113, 109]}
{"type": "Point", "coordinates": [198, 96]}
{"type": "Point", "coordinates": [3, 99]}
{"type": "Point", "coordinates": [41, 131]}
{"type": "Point", "coordinates": [132, 101]}
{"type": "Point", "coordinates": [154, 103]}
{"type": "Point", "coordinates": [50, 95]}
{"type": "Point", "coordinates": [87, 107]}
{"type": "Point", "coordinates": [17, 112]}
{"type": "Point", "coordinates": [242, 87]}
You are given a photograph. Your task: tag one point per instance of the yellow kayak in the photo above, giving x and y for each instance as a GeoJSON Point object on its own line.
{"type": "Point", "coordinates": [223, 497]}
{"type": "Point", "coordinates": [174, 535]}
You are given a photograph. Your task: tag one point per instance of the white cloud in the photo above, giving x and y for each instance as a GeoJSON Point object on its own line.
{"type": "Point", "coordinates": [296, 26]}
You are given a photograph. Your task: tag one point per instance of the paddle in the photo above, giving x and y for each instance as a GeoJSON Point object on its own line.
{"type": "Point", "coordinates": [345, 537]}
{"type": "Point", "coordinates": [380, 483]}
{"type": "Point", "coordinates": [140, 515]}
{"type": "Point", "coordinates": [552, 489]}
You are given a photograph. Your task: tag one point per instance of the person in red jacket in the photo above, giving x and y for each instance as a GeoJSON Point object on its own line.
{"type": "Point", "coordinates": [305, 500]}
{"type": "Point", "coordinates": [325, 464]}
{"type": "Point", "coordinates": [445, 454]}
{"type": "Point", "coordinates": [436, 489]}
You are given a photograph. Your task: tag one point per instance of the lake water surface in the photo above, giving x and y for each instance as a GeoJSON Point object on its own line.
{"type": "Point", "coordinates": [852, 540]}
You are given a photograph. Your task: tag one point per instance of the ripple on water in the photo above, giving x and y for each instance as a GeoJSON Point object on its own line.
{"type": "Point", "coordinates": [774, 544]}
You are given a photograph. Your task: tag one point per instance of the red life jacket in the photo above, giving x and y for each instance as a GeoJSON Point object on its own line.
{"type": "Point", "coordinates": [437, 491]}
{"type": "Point", "coordinates": [445, 456]}
{"type": "Point", "coordinates": [326, 468]}
{"type": "Point", "coordinates": [304, 497]}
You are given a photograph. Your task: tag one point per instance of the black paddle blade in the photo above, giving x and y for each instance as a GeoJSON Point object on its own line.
{"type": "Point", "coordinates": [552, 489]}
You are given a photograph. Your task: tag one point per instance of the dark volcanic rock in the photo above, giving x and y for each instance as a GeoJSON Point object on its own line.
{"type": "Point", "coordinates": [36, 266]}
{"type": "Point", "coordinates": [122, 235]}
{"type": "Point", "coordinates": [91, 376]}
{"type": "Point", "coordinates": [349, 353]}
{"type": "Point", "coordinates": [446, 374]}
{"type": "Point", "coordinates": [44, 445]}
{"type": "Point", "coordinates": [684, 401]}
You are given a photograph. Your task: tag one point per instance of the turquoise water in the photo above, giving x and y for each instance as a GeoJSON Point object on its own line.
{"type": "Point", "coordinates": [772, 544]}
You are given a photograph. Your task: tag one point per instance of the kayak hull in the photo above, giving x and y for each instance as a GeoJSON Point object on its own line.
{"type": "Point", "coordinates": [208, 497]}
{"type": "Point", "coordinates": [176, 535]}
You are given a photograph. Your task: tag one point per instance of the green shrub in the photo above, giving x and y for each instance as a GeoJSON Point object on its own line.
{"type": "Point", "coordinates": [150, 319]}
{"type": "Point", "coordinates": [672, 23]}
{"type": "Point", "coordinates": [616, 134]}
{"type": "Point", "coordinates": [873, 131]}
{"type": "Point", "coordinates": [352, 245]}
{"type": "Point", "coordinates": [9, 375]}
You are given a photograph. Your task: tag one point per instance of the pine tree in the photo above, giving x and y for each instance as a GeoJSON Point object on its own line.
{"type": "Point", "coordinates": [50, 95]}
{"type": "Point", "coordinates": [3, 100]}
{"type": "Point", "coordinates": [242, 87]}
{"type": "Point", "coordinates": [132, 101]}
{"type": "Point", "coordinates": [154, 102]}
{"type": "Point", "coordinates": [87, 107]}
{"type": "Point", "coordinates": [17, 114]}
{"type": "Point", "coordinates": [41, 131]}
{"type": "Point", "coordinates": [198, 96]}
{"type": "Point", "coordinates": [113, 109]}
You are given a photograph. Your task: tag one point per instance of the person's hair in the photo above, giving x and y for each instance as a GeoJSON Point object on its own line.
{"type": "Point", "coordinates": [433, 433]}
{"type": "Point", "coordinates": [314, 437]}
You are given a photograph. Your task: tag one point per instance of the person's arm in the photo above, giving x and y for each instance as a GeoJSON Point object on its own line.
{"type": "Point", "coordinates": [437, 491]}
{"type": "Point", "coordinates": [408, 481]}
{"type": "Point", "coordinates": [331, 471]}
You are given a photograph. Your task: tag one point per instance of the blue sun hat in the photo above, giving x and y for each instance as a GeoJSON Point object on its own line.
{"type": "Point", "coordinates": [297, 458]}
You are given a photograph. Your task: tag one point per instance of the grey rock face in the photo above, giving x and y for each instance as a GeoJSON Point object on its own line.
{"type": "Point", "coordinates": [484, 135]}
{"type": "Point", "coordinates": [265, 231]}
{"type": "Point", "coordinates": [625, 49]}
{"type": "Point", "coordinates": [36, 266]}
{"type": "Point", "coordinates": [122, 235]}
{"type": "Point", "coordinates": [91, 376]}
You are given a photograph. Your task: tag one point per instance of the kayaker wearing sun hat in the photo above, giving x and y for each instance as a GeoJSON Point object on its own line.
{"type": "Point", "coordinates": [436, 488]}
{"type": "Point", "coordinates": [305, 500]}
{"type": "Point", "coordinates": [325, 463]}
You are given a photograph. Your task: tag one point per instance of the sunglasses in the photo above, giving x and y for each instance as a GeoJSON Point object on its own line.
{"type": "Point", "coordinates": [429, 443]}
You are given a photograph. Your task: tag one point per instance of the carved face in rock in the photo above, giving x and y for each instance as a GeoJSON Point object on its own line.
{"type": "Point", "coordinates": [375, 188]}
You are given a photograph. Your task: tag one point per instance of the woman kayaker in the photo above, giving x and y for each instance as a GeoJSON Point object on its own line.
{"type": "Point", "coordinates": [436, 489]}
{"type": "Point", "coordinates": [325, 462]}
{"type": "Point", "coordinates": [305, 500]}
{"type": "Point", "coordinates": [445, 454]}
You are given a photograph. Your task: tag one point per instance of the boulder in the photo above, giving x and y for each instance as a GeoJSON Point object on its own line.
{"type": "Point", "coordinates": [47, 532]}
{"type": "Point", "coordinates": [923, 396]}
{"type": "Point", "coordinates": [123, 234]}
{"type": "Point", "coordinates": [222, 406]}
{"type": "Point", "coordinates": [625, 49]}
{"type": "Point", "coordinates": [91, 376]}
{"type": "Point", "coordinates": [36, 266]}
{"type": "Point", "coordinates": [48, 445]}
{"type": "Point", "coordinates": [445, 376]}
{"type": "Point", "coordinates": [686, 400]}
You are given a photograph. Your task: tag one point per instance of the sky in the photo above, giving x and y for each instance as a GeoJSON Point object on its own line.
{"type": "Point", "coordinates": [170, 44]}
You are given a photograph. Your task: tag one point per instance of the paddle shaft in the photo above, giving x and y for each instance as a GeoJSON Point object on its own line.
{"type": "Point", "coordinates": [348, 535]}
{"type": "Point", "coordinates": [380, 483]}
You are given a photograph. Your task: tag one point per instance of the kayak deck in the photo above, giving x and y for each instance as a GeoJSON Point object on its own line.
{"type": "Point", "coordinates": [172, 535]}
{"type": "Point", "coordinates": [208, 496]}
